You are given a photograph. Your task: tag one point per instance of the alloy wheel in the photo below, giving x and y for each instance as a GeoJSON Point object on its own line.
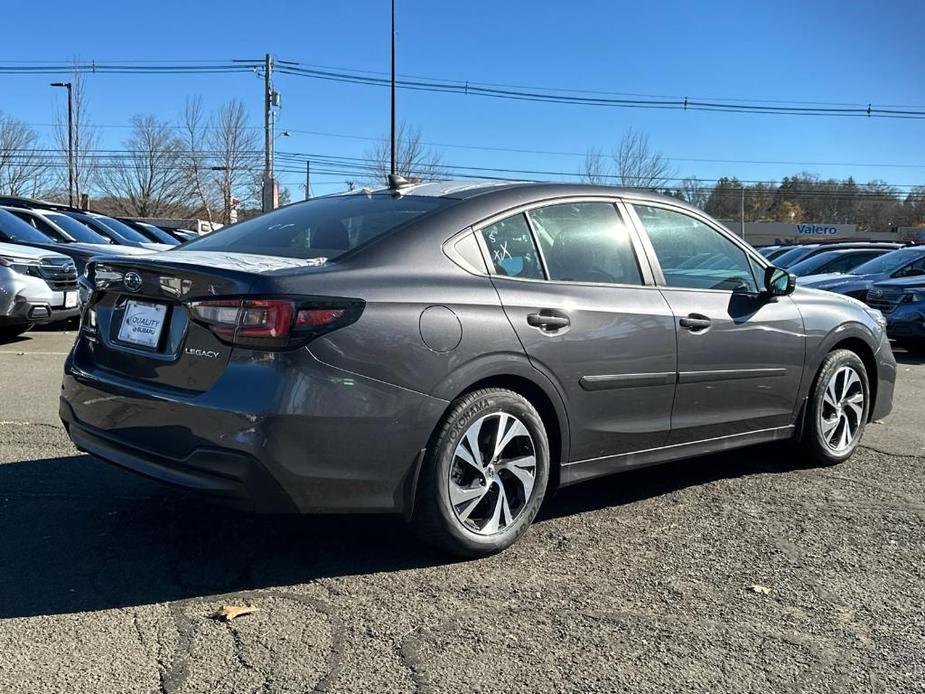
{"type": "Point", "coordinates": [492, 475]}
{"type": "Point", "coordinates": [842, 411]}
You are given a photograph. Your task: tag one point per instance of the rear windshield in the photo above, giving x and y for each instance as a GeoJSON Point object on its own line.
{"type": "Point", "coordinates": [320, 228]}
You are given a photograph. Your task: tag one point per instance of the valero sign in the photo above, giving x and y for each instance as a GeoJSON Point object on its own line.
{"type": "Point", "coordinates": [817, 229]}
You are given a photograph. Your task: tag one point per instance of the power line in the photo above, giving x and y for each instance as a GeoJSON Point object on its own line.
{"type": "Point", "coordinates": [485, 89]}
{"type": "Point", "coordinates": [520, 150]}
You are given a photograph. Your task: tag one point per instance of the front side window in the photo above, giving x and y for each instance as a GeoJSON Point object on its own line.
{"type": "Point", "coordinates": [585, 242]}
{"type": "Point", "coordinates": [511, 249]}
{"type": "Point", "coordinates": [695, 255]}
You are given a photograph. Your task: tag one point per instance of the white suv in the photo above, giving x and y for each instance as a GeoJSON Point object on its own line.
{"type": "Point", "coordinates": [36, 286]}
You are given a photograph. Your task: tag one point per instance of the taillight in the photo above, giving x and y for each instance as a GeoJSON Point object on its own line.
{"type": "Point", "coordinates": [274, 323]}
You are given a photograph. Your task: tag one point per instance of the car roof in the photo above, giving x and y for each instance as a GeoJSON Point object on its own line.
{"type": "Point", "coordinates": [462, 190]}
{"type": "Point", "coordinates": [854, 249]}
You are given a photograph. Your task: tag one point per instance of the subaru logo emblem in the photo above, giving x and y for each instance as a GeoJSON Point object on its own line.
{"type": "Point", "coordinates": [132, 281]}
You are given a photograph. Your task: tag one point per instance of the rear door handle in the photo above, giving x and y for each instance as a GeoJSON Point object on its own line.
{"type": "Point", "coordinates": [695, 322]}
{"type": "Point", "coordinates": [546, 320]}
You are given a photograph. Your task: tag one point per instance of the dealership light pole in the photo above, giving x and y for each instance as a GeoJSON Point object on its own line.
{"type": "Point", "coordinates": [392, 163]}
{"type": "Point", "coordinates": [742, 211]}
{"type": "Point", "coordinates": [70, 139]}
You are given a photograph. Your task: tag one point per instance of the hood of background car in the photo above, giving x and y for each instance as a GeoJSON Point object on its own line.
{"type": "Point", "coordinates": [834, 280]}
{"type": "Point", "coordinates": [14, 250]}
{"type": "Point", "coordinates": [902, 283]}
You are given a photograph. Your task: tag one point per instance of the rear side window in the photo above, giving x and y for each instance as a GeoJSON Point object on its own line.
{"type": "Point", "coordinates": [585, 242]}
{"type": "Point", "coordinates": [320, 228]}
{"type": "Point", "coordinates": [511, 249]}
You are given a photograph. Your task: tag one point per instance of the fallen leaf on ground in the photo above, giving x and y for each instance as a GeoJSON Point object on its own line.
{"type": "Point", "coordinates": [228, 612]}
{"type": "Point", "coordinates": [764, 590]}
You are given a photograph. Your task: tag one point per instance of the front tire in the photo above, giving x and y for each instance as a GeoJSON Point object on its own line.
{"type": "Point", "coordinates": [837, 409]}
{"type": "Point", "coordinates": [484, 476]}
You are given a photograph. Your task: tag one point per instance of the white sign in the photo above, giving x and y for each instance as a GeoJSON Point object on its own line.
{"type": "Point", "coordinates": [142, 323]}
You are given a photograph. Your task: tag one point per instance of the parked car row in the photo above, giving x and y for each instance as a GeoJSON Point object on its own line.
{"type": "Point", "coordinates": [44, 248]}
{"type": "Point", "coordinates": [888, 277]}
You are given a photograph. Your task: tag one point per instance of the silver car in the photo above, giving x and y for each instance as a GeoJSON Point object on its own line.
{"type": "Point", "coordinates": [36, 286]}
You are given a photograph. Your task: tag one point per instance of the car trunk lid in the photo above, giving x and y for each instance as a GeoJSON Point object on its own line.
{"type": "Point", "coordinates": [139, 323]}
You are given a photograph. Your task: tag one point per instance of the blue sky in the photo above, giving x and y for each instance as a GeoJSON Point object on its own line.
{"type": "Point", "coordinates": [815, 50]}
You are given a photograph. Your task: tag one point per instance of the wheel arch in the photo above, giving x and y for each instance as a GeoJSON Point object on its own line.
{"type": "Point", "coordinates": [516, 373]}
{"type": "Point", "coordinates": [866, 355]}
{"type": "Point", "coordinates": [853, 336]}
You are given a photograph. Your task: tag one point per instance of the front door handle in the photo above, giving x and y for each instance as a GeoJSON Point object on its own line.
{"type": "Point", "coordinates": [695, 322]}
{"type": "Point", "coordinates": [548, 321]}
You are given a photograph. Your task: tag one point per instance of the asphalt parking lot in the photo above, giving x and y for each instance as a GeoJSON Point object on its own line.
{"type": "Point", "coordinates": [638, 583]}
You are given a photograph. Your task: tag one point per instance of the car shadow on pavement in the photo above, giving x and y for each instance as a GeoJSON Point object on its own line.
{"type": "Point", "coordinates": [910, 358]}
{"type": "Point", "coordinates": [643, 483]}
{"type": "Point", "coordinates": [79, 535]}
{"type": "Point", "coordinates": [4, 341]}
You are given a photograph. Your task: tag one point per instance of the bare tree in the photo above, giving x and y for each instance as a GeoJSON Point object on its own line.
{"type": "Point", "coordinates": [23, 166]}
{"type": "Point", "coordinates": [695, 192]}
{"type": "Point", "coordinates": [236, 155]}
{"type": "Point", "coordinates": [413, 159]}
{"type": "Point", "coordinates": [595, 168]}
{"type": "Point", "coordinates": [640, 166]}
{"type": "Point", "coordinates": [149, 179]}
{"type": "Point", "coordinates": [635, 164]}
{"type": "Point", "coordinates": [197, 167]}
{"type": "Point", "coordinates": [88, 160]}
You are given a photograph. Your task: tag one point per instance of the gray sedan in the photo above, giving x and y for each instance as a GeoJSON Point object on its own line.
{"type": "Point", "coordinates": [455, 352]}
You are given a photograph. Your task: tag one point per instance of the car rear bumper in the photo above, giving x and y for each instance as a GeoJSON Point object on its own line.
{"type": "Point", "coordinates": [229, 476]}
{"type": "Point", "coordinates": [322, 440]}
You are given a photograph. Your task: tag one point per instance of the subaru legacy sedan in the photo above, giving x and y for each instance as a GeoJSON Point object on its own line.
{"type": "Point", "coordinates": [456, 352]}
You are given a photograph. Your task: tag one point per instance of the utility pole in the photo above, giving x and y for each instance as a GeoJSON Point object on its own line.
{"type": "Point", "coordinates": [70, 141]}
{"type": "Point", "coordinates": [742, 211]}
{"type": "Point", "coordinates": [308, 178]}
{"type": "Point", "coordinates": [392, 164]}
{"type": "Point", "coordinates": [269, 184]}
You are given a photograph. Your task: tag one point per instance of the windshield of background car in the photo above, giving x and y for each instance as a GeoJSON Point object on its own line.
{"type": "Point", "coordinates": [889, 262]}
{"type": "Point", "coordinates": [794, 255]}
{"type": "Point", "coordinates": [320, 228]}
{"type": "Point", "coordinates": [814, 263]}
{"type": "Point", "coordinates": [75, 229]}
{"type": "Point", "coordinates": [158, 235]}
{"type": "Point", "coordinates": [122, 230]}
{"type": "Point", "coordinates": [13, 228]}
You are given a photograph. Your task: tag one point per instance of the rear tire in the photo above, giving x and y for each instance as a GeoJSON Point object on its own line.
{"type": "Point", "coordinates": [484, 476]}
{"type": "Point", "coordinates": [8, 332]}
{"type": "Point", "coordinates": [836, 413]}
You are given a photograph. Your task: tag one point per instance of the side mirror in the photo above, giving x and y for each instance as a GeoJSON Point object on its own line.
{"type": "Point", "coordinates": [779, 282]}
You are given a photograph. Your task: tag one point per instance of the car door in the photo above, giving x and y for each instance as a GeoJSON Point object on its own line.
{"type": "Point", "coordinates": [588, 315]}
{"type": "Point", "coordinates": [740, 351]}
